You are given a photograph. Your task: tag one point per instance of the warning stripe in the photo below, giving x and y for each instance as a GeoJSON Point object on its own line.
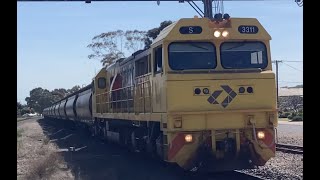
{"type": "Point", "coordinates": [269, 140]}
{"type": "Point", "coordinates": [176, 144]}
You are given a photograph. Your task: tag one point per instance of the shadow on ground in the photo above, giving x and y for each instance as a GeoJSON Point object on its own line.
{"type": "Point", "coordinates": [100, 160]}
{"type": "Point", "coordinates": [103, 161]}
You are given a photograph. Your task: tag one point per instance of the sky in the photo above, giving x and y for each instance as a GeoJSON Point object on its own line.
{"type": "Point", "coordinates": [52, 37]}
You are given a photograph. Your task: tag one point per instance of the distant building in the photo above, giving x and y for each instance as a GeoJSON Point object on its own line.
{"type": "Point", "coordinates": [285, 92]}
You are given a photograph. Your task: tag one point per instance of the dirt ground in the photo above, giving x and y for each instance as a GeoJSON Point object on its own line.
{"type": "Point", "coordinates": [37, 157]}
{"type": "Point", "coordinates": [290, 133]}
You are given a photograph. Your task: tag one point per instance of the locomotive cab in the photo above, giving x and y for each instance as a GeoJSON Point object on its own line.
{"type": "Point", "coordinates": [215, 84]}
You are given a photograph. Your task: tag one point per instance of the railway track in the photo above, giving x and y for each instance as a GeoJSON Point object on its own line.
{"type": "Point", "coordinates": [28, 118]}
{"type": "Point", "coordinates": [289, 148]}
{"type": "Point", "coordinates": [21, 121]}
{"type": "Point", "coordinates": [242, 175]}
{"type": "Point", "coordinates": [237, 174]}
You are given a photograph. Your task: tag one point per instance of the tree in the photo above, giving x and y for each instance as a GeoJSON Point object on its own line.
{"type": "Point", "coordinates": [19, 105]}
{"type": "Point", "coordinates": [42, 98]}
{"type": "Point", "coordinates": [25, 110]}
{"type": "Point", "coordinates": [39, 99]}
{"type": "Point", "coordinates": [109, 47]}
{"type": "Point", "coordinates": [135, 40]}
{"type": "Point", "coordinates": [73, 89]}
{"type": "Point", "coordinates": [153, 33]}
{"type": "Point", "coordinates": [59, 94]}
{"type": "Point", "coordinates": [20, 108]}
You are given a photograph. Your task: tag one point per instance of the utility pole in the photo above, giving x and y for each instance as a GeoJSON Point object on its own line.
{"type": "Point", "coordinates": [277, 76]}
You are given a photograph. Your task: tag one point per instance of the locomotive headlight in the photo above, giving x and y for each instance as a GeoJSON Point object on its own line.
{"type": "Point", "coordinates": [260, 135]}
{"type": "Point", "coordinates": [188, 138]}
{"type": "Point", "coordinates": [225, 33]}
{"type": "Point", "coordinates": [217, 34]}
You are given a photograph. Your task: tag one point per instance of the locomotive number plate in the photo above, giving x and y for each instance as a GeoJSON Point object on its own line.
{"type": "Point", "coordinates": [190, 30]}
{"type": "Point", "coordinates": [248, 29]}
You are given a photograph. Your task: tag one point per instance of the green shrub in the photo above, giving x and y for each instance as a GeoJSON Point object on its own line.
{"type": "Point", "coordinates": [300, 114]}
{"type": "Point", "coordinates": [297, 118]}
{"type": "Point", "coordinates": [284, 114]}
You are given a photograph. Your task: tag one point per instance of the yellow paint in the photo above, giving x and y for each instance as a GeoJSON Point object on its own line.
{"type": "Point", "coordinates": [172, 95]}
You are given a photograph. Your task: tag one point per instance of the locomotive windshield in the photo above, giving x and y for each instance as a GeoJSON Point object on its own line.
{"type": "Point", "coordinates": [192, 55]}
{"type": "Point", "coordinates": [241, 55]}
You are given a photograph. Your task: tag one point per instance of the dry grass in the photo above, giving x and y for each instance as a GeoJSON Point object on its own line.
{"type": "Point", "coordinates": [19, 133]}
{"type": "Point", "coordinates": [19, 143]}
{"type": "Point", "coordinates": [44, 167]}
{"type": "Point", "coordinates": [42, 151]}
{"type": "Point", "coordinates": [36, 155]}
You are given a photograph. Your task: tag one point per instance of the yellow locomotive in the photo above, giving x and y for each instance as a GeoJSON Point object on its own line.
{"type": "Point", "coordinates": [203, 95]}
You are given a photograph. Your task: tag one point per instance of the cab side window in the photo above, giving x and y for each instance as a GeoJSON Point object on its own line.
{"type": "Point", "coordinates": [157, 66]}
{"type": "Point", "coordinates": [142, 66]}
{"type": "Point", "coordinates": [102, 83]}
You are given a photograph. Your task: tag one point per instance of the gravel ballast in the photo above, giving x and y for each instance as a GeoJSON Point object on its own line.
{"type": "Point", "coordinates": [284, 166]}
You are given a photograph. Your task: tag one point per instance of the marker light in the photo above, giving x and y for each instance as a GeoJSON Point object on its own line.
{"type": "Point", "coordinates": [225, 33]}
{"type": "Point", "coordinates": [205, 91]}
{"type": "Point", "coordinates": [261, 135]}
{"type": "Point", "coordinates": [188, 138]}
{"type": "Point", "coordinates": [241, 90]}
{"type": "Point", "coordinates": [217, 34]}
{"type": "Point", "coordinates": [250, 90]}
{"type": "Point", "coordinates": [197, 91]}
{"type": "Point", "coordinates": [178, 123]}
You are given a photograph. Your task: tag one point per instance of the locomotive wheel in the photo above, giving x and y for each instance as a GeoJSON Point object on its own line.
{"type": "Point", "coordinates": [134, 142]}
{"type": "Point", "coordinates": [151, 147]}
{"type": "Point", "coordinates": [104, 135]}
{"type": "Point", "coordinates": [137, 141]}
{"type": "Point", "coordinates": [94, 130]}
{"type": "Point", "coordinates": [125, 138]}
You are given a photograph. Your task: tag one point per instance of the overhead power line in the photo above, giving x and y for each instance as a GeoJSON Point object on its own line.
{"type": "Point", "coordinates": [291, 61]}
{"type": "Point", "coordinates": [292, 67]}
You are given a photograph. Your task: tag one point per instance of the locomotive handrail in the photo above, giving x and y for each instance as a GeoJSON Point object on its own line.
{"type": "Point", "coordinates": [222, 111]}
{"type": "Point", "coordinates": [141, 96]}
